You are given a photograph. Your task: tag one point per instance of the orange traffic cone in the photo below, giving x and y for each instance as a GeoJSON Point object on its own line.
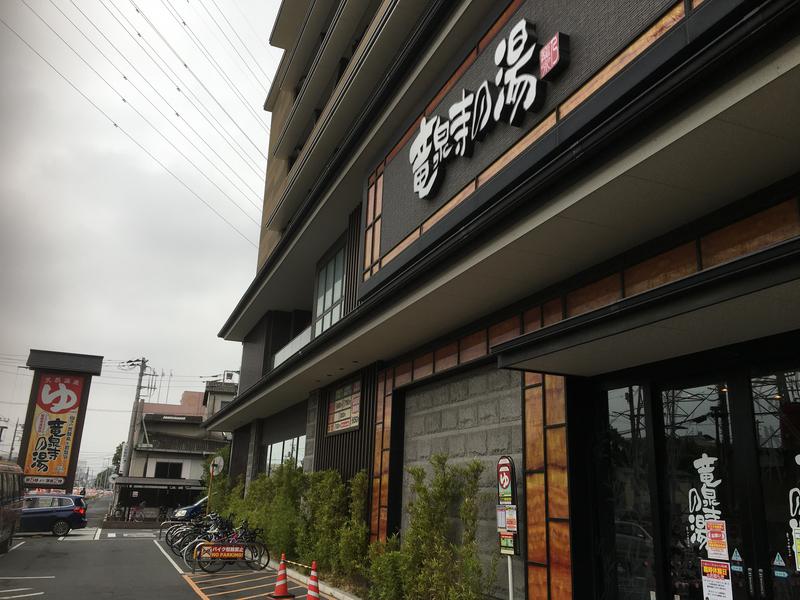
{"type": "Point", "coordinates": [282, 583]}
{"type": "Point", "coordinates": [313, 584]}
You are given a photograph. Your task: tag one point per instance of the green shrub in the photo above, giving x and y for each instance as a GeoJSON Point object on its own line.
{"type": "Point", "coordinates": [433, 561]}
{"type": "Point", "coordinates": [281, 511]}
{"type": "Point", "coordinates": [322, 515]}
{"type": "Point", "coordinates": [385, 571]}
{"type": "Point", "coordinates": [310, 517]}
{"type": "Point", "coordinates": [354, 534]}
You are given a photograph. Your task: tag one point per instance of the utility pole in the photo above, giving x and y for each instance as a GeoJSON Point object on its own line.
{"type": "Point", "coordinates": [128, 454]}
{"type": "Point", "coordinates": [13, 439]}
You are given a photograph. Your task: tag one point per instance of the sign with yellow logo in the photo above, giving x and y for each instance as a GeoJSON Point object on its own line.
{"type": "Point", "coordinates": [53, 429]}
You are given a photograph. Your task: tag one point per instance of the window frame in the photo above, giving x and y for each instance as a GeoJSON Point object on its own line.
{"type": "Point", "coordinates": [329, 258]}
{"type": "Point", "coordinates": [169, 465]}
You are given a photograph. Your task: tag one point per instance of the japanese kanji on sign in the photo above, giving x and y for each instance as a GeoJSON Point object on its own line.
{"type": "Point", "coordinates": [507, 97]}
{"type": "Point", "coordinates": [53, 429]}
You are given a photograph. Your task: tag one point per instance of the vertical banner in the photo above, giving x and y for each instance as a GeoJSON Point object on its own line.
{"type": "Point", "coordinates": [54, 425]}
{"type": "Point", "coordinates": [507, 506]}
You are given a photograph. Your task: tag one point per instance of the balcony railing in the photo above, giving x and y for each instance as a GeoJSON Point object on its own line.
{"type": "Point", "coordinates": [292, 347]}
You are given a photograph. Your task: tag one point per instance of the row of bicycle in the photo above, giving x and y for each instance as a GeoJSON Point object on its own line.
{"type": "Point", "coordinates": [211, 542]}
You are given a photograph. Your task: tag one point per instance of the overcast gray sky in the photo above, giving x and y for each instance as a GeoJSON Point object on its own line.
{"type": "Point", "coordinates": [102, 251]}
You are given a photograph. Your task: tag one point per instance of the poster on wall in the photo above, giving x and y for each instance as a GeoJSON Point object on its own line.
{"type": "Point", "coordinates": [53, 428]}
{"type": "Point", "coordinates": [716, 580]}
{"type": "Point", "coordinates": [717, 544]}
{"type": "Point", "coordinates": [344, 408]}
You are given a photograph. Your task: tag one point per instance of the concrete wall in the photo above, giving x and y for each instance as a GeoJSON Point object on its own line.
{"type": "Point", "coordinates": [475, 415]}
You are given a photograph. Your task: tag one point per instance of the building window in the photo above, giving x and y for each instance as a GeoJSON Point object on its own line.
{"type": "Point", "coordinates": [169, 470]}
{"type": "Point", "coordinates": [344, 408]}
{"type": "Point", "coordinates": [329, 293]}
{"type": "Point", "coordinates": [628, 557]}
{"type": "Point", "coordinates": [293, 449]}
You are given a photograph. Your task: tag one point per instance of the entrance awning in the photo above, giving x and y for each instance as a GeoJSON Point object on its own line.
{"type": "Point", "coordinates": [757, 296]}
{"type": "Point", "coordinates": [159, 483]}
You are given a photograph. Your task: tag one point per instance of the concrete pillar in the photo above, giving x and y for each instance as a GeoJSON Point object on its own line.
{"type": "Point", "coordinates": [311, 431]}
{"type": "Point", "coordinates": [253, 452]}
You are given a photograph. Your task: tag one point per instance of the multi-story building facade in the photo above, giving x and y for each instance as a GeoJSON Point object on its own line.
{"type": "Point", "coordinates": [170, 448]}
{"type": "Point", "coordinates": [562, 232]}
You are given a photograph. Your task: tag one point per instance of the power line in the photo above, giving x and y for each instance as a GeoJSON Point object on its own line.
{"type": "Point", "coordinates": [91, 409]}
{"type": "Point", "coordinates": [129, 136]}
{"type": "Point", "coordinates": [267, 48]}
{"type": "Point", "coordinates": [167, 102]}
{"type": "Point", "coordinates": [183, 88]}
{"type": "Point", "coordinates": [137, 111]}
{"type": "Point", "coordinates": [202, 47]}
{"type": "Point", "coordinates": [236, 33]}
{"type": "Point", "coordinates": [186, 66]}
{"type": "Point", "coordinates": [258, 81]}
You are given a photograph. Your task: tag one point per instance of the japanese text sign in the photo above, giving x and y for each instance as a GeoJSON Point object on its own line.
{"type": "Point", "coordinates": [221, 551]}
{"type": "Point", "coordinates": [505, 481]}
{"type": "Point", "coordinates": [716, 577]}
{"type": "Point", "coordinates": [507, 97]}
{"type": "Point", "coordinates": [53, 429]}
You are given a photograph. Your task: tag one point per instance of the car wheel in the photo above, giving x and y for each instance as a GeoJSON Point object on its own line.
{"type": "Point", "coordinates": [60, 527]}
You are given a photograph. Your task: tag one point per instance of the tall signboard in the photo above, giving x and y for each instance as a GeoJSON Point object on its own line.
{"type": "Point", "coordinates": [56, 412]}
{"type": "Point", "coordinates": [507, 526]}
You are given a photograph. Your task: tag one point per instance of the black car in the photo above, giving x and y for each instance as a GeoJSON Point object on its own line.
{"type": "Point", "coordinates": [187, 513]}
{"type": "Point", "coordinates": [57, 513]}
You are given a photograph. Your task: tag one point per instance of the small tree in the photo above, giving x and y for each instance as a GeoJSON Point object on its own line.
{"type": "Point", "coordinates": [434, 561]}
{"type": "Point", "coordinates": [117, 458]}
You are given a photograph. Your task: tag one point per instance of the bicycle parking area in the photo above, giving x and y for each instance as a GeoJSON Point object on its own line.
{"type": "Point", "coordinates": [241, 584]}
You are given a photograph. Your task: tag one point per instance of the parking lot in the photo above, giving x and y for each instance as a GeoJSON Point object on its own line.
{"type": "Point", "coordinates": [240, 585]}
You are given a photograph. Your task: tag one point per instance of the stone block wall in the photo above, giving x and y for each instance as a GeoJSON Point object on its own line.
{"type": "Point", "coordinates": [474, 415]}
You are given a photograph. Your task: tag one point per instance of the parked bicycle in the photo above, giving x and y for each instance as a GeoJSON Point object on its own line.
{"type": "Point", "coordinates": [212, 542]}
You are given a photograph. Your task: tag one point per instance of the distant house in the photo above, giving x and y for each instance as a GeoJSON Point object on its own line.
{"type": "Point", "coordinates": [170, 448]}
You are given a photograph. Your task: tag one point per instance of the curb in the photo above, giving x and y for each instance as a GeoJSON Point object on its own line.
{"type": "Point", "coordinates": [323, 587]}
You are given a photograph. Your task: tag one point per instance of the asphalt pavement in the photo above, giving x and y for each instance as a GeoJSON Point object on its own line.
{"type": "Point", "coordinates": [91, 563]}
{"type": "Point", "coordinates": [121, 564]}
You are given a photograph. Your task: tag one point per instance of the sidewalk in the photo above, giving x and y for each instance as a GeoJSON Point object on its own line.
{"type": "Point", "coordinates": [324, 588]}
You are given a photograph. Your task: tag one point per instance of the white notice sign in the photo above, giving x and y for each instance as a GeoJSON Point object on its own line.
{"type": "Point", "coordinates": [717, 540]}
{"type": "Point", "coordinates": [716, 580]}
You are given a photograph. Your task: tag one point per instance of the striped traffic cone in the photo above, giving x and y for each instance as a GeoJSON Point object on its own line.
{"type": "Point", "coordinates": [313, 584]}
{"type": "Point", "coordinates": [282, 583]}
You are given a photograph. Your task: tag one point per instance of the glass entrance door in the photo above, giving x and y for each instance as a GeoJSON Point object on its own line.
{"type": "Point", "coordinates": [706, 514]}
{"type": "Point", "coordinates": [776, 411]}
{"type": "Point", "coordinates": [697, 482]}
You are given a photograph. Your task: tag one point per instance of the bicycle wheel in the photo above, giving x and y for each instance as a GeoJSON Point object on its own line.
{"type": "Point", "coordinates": [209, 565]}
{"type": "Point", "coordinates": [189, 552]}
{"type": "Point", "coordinates": [181, 542]}
{"type": "Point", "coordinates": [172, 532]}
{"type": "Point", "coordinates": [256, 555]}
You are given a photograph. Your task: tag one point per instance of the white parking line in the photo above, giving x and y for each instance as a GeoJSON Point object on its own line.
{"type": "Point", "coordinates": [16, 590]}
{"type": "Point", "coordinates": [15, 546]}
{"type": "Point", "coordinates": [169, 558]}
{"type": "Point", "coordinates": [97, 533]}
{"type": "Point", "coordinates": [21, 596]}
{"type": "Point", "coordinates": [32, 577]}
